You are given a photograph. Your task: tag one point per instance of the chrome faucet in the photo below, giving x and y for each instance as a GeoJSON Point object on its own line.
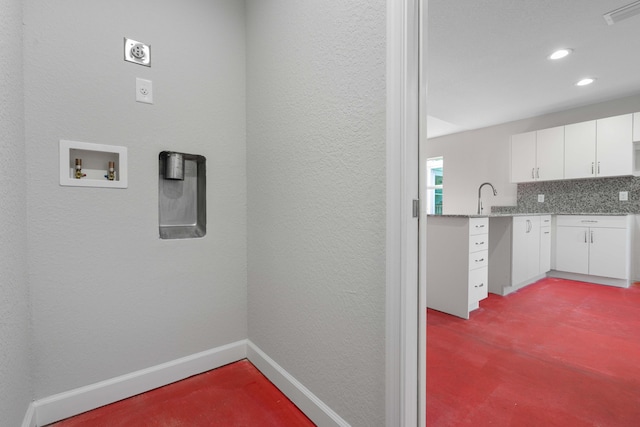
{"type": "Point", "coordinates": [495, 193]}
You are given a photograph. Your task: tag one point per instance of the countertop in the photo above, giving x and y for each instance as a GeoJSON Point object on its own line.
{"type": "Point", "coordinates": [501, 215]}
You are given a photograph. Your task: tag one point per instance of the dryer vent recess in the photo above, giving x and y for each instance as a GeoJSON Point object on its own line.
{"type": "Point", "coordinates": [182, 195]}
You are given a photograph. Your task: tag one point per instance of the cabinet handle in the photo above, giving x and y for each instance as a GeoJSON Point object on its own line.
{"type": "Point", "coordinates": [480, 226]}
{"type": "Point", "coordinates": [546, 232]}
{"type": "Point", "coordinates": [598, 168]}
{"type": "Point", "coordinates": [480, 285]}
{"type": "Point", "coordinates": [479, 243]}
{"type": "Point", "coordinates": [585, 236]}
{"type": "Point", "coordinates": [592, 165]}
{"type": "Point", "coordinates": [591, 236]}
{"type": "Point", "coordinates": [480, 260]}
{"type": "Point", "coordinates": [537, 172]}
{"type": "Point", "coordinates": [532, 175]}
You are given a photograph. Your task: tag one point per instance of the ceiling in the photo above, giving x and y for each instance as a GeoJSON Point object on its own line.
{"type": "Point", "coordinates": [487, 59]}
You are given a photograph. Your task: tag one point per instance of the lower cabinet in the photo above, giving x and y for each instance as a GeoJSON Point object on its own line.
{"type": "Point", "coordinates": [520, 251]}
{"type": "Point", "coordinates": [594, 246]}
{"type": "Point", "coordinates": [531, 248]}
{"type": "Point", "coordinates": [457, 263]}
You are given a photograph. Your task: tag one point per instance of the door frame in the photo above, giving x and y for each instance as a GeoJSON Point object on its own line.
{"type": "Point", "coordinates": [404, 380]}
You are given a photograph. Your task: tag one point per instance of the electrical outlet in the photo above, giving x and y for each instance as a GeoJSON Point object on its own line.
{"type": "Point", "coordinates": [144, 91]}
{"type": "Point", "coordinates": [623, 196]}
{"type": "Point", "coordinates": [136, 52]}
{"type": "Point", "coordinates": [540, 198]}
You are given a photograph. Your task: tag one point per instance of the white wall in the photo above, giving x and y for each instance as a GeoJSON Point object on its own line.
{"type": "Point", "coordinates": [16, 389]}
{"type": "Point", "coordinates": [473, 157]}
{"type": "Point", "coordinates": [109, 297]}
{"type": "Point", "coordinates": [316, 187]}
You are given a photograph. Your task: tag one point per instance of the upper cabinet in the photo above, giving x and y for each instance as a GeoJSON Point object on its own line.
{"type": "Point", "coordinates": [580, 150]}
{"type": "Point", "coordinates": [614, 143]}
{"type": "Point", "coordinates": [550, 154]}
{"type": "Point", "coordinates": [523, 157]}
{"type": "Point", "coordinates": [538, 155]}
{"type": "Point", "coordinates": [597, 148]}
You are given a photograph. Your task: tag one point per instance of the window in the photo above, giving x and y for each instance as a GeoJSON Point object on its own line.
{"type": "Point", "coordinates": [434, 185]}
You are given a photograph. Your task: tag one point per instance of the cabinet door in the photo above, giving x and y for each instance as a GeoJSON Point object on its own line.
{"type": "Point", "coordinates": [614, 146]}
{"type": "Point", "coordinates": [550, 154]}
{"type": "Point", "coordinates": [525, 257]}
{"type": "Point", "coordinates": [580, 150]}
{"type": "Point", "coordinates": [636, 126]}
{"type": "Point", "coordinates": [545, 249]}
{"type": "Point", "coordinates": [572, 249]}
{"type": "Point", "coordinates": [523, 157]}
{"type": "Point", "coordinates": [477, 285]}
{"type": "Point", "coordinates": [608, 252]}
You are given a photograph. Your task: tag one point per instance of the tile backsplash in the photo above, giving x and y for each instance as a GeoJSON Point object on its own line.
{"type": "Point", "coordinates": [593, 195]}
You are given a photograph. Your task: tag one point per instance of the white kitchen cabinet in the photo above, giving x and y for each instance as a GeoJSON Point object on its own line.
{"type": "Point", "coordinates": [457, 263]}
{"type": "Point", "coordinates": [614, 143]}
{"type": "Point", "coordinates": [580, 150]}
{"type": "Point", "coordinates": [520, 249]}
{"type": "Point", "coordinates": [636, 126]}
{"type": "Point", "coordinates": [545, 244]}
{"type": "Point", "coordinates": [599, 148]}
{"type": "Point", "coordinates": [523, 157]}
{"type": "Point", "coordinates": [525, 260]}
{"type": "Point", "coordinates": [550, 154]}
{"type": "Point", "coordinates": [538, 155]}
{"type": "Point", "coordinates": [531, 248]}
{"type": "Point", "coordinates": [596, 247]}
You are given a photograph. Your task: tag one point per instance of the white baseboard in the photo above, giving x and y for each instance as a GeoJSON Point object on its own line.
{"type": "Point", "coordinates": [30, 416]}
{"type": "Point", "coordinates": [619, 283]}
{"type": "Point", "coordinates": [77, 401]}
{"type": "Point", "coordinates": [310, 404]}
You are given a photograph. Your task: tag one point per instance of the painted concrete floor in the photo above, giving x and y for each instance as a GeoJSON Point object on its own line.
{"type": "Point", "coordinates": [556, 353]}
{"type": "Point", "coordinates": [233, 395]}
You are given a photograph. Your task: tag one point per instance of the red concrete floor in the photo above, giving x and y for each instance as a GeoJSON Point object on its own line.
{"type": "Point", "coordinates": [233, 395]}
{"type": "Point", "coordinates": [556, 353]}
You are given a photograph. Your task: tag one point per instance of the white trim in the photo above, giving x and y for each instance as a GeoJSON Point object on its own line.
{"type": "Point", "coordinates": [309, 403]}
{"type": "Point", "coordinates": [422, 275]}
{"type": "Point", "coordinates": [30, 416]}
{"type": "Point", "coordinates": [402, 304]}
{"type": "Point", "coordinates": [73, 402]}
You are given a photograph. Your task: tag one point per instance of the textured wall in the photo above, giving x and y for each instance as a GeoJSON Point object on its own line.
{"type": "Point", "coordinates": [109, 297]}
{"type": "Point", "coordinates": [16, 389]}
{"type": "Point", "coordinates": [473, 157]}
{"type": "Point", "coordinates": [316, 191]}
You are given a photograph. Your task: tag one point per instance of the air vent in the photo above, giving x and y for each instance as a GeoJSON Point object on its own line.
{"type": "Point", "coordinates": [622, 13]}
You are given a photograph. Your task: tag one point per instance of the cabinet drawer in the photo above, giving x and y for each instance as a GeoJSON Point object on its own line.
{"type": "Point", "coordinates": [478, 259]}
{"type": "Point", "coordinates": [478, 284]}
{"type": "Point", "coordinates": [619, 221]}
{"type": "Point", "coordinates": [478, 242]}
{"type": "Point", "coordinates": [478, 226]}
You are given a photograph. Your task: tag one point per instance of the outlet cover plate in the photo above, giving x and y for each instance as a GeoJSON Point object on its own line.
{"type": "Point", "coordinates": [137, 52]}
{"type": "Point", "coordinates": [541, 198]}
{"type": "Point", "coordinates": [623, 196]}
{"type": "Point", "coordinates": [144, 91]}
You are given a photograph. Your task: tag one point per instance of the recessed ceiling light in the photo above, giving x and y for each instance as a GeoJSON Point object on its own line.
{"type": "Point", "coordinates": [560, 53]}
{"type": "Point", "coordinates": [586, 81]}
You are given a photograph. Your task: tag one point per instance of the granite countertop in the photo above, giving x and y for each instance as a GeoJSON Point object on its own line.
{"type": "Point", "coordinates": [500, 215]}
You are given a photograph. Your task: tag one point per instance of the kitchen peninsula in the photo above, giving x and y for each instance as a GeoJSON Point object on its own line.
{"type": "Point", "coordinates": [470, 255]}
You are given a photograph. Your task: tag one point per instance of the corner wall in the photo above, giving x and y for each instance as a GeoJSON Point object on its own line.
{"type": "Point", "coordinates": [316, 189]}
{"type": "Point", "coordinates": [16, 388]}
{"type": "Point", "coordinates": [109, 296]}
{"type": "Point", "coordinates": [473, 157]}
